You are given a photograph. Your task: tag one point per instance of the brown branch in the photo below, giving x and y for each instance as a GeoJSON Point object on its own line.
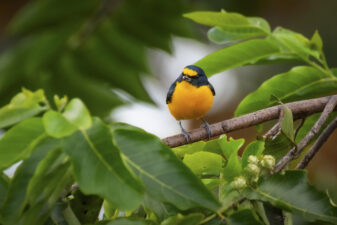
{"type": "Point", "coordinates": [273, 131]}
{"type": "Point", "coordinates": [295, 152]}
{"type": "Point", "coordinates": [300, 109]}
{"type": "Point", "coordinates": [318, 144]}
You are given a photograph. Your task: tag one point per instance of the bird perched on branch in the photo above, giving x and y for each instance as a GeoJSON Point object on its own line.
{"type": "Point", "coordinates": [191, 97]}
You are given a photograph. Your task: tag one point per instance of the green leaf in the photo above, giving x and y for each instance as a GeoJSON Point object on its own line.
{"type": "Point", "coordinates": [254, 148]}
{"type": "Point", "coordinates": [125, 221]}
{"type": "Point", "coordinates": [57, 125]}
{"type": "Point", "coordinates": [183, 150]}
{"type": "Point", "coordinates": [162, 210]}
{"type": "Point", "coordinates": [85, 207]}
{"type": "Point", "coordinates": [278, 146]}
{"type": "Point", "coordinates": [22, 106]}
{"type": "Point", "coordinates": [4, 183]}
{"type": "Point", "coordinates": [240, 54]}
{"type": "Point", "coordinates": [302, 82]}
{"type": "Point", "coordinates": [283, 191]}
{"type": "Point", "coordinates": [77, 114]}
{"type": "Point", "coordinates": [92, 152]}
{"type": "Point", "coordinates": [18, 142]}
{"type": "Point", "coordinates": [165, 177]}
{"type": "Point", "coordinates": [317, 41]}
{"type": "Point", "coordinates": [190, 219]}
{"type": "Point", "coordinates": [295, 42]}
{"type": "Point", "coordinates": [231, 146]}
{"type": "Point", "coordinates": [54, 174]}
{"type": "Point", "coordinates": [244, 217]}
{"type": "Point", "coordinates": [287, 123]}
{"type": "Point", "coordinates": [231, 23]}
{"type": "Point", "coordinates": [230, 149]}
{"type": "Point", "coordinates": [16, 197]}
{"type": "Point", "coordinates": [202, 163]}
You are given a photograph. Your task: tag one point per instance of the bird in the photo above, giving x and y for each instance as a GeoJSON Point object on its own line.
{"type": "Point", "coordinates": [190, 96]}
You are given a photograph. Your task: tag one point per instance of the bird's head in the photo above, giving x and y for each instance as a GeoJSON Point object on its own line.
{"type": "Point", "coordinates": [192, 72]}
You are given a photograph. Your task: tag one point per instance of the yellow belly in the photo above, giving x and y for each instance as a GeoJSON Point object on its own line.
{"type": "Point", "coordinates": [190, 102]}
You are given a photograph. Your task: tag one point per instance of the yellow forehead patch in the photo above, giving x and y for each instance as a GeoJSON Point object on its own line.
{"type": "Point", "coordinates": [190, 72]}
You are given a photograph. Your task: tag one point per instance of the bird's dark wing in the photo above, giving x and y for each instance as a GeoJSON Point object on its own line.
{"type": "Point", "coordinates": [170, 92]}
{"type": "Point", "coordinates": [212, 88]}
{"type": "Point", "coordinates": [172, 88]}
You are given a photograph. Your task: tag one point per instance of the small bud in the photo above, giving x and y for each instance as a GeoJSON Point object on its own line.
{"type": "Point", "coordinates": [268, 161]}
{"type": "Point", "coordinates": [239, 183]}
{"type": "Point", "coordinates": [252, 169]}
{"type": "Point", "coordinates": [252, 159]}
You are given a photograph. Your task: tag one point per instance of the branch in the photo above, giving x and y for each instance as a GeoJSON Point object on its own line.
{"type": "Point", "coordinates": [318, 144]}
{"type": "Point", "coordinates": [300, 109]}
{"type": "Point", "coordinates": [295, 152]}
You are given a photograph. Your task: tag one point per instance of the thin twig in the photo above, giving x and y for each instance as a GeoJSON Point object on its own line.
{"type": "Point", "coordinates": [318, 144]}
{"type": "Point", "coordinates": [299, 127]}
{"type": "Point", "coordinates": [293, 153]}
{"type": "Point", "coordinates": [272, 132]}
{"type": "Point", "coordinates": [300, 109]}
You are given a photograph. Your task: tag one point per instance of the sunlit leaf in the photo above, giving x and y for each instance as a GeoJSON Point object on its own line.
{"type": "Point", "coordinates": [237, 55]}
{"type": "Point", "coordinates": [204, 163]}
{"type": "Point", "coordinates": [22, 106]}
{"type": "Point", "coordinates": [299, 83]}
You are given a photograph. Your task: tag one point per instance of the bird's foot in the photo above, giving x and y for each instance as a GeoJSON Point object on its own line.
{"type": "Point", "coordinates": [207, 127]}
{"type": "Point", "coordinates": [185, 133]}
{"type": "Point", "coordinates": [187, 136]}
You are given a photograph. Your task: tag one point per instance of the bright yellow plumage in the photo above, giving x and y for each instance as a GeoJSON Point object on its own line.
{"type": "Point", "coordinates": [189, 101]}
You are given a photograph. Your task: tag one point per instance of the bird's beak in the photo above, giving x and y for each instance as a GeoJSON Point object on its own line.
{"type": "Point", "coordinates": [187, 78]}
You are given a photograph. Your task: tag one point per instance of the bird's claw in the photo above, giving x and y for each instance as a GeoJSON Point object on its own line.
{"type": "Point", "coordinates": [186, 135]}
{"type": "Point", "coordinates": [207, 127]}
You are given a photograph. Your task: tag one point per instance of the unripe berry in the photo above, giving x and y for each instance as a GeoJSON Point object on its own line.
{"type": "Point", "coordinates": [268, 161]}
{"type": "Point", "coordinates": [239, 183]}
{"type": "Point", "coordinates": [252, 159]}
{"type": "Point", "coordinates": [252, 169]}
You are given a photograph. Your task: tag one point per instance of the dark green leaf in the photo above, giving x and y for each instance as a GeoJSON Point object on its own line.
{"type": "Point", "coordinates": [274, 214]}
{"type": "Point", "coordinates": [278, 146]}
{"type": "Point", "coordinates": [162, 210]}
{"type": "Point", "coordinates": [165, 177]}
{"type": "Point", "coordinates": [16, 197]}
{"type": "Point", "coordinates": [4, 183]}
{"type": "Point", "coordinates": [237, 55]}
{"type": "Point", "coordinates": [92, 152]}
{"type": "Point", "coordinates": [283, 191]}
{"type": "Point", "coordinates": [18, 142]}
{"type": "Point", "coordinates": [22, 106]}
{"type": "Point", "coordinates": [299, 83]}
{"type": "Point", "coordinates": [254, 148]}
{"type": "Point", "coordinates": [244, 217]}
{"type": "Point", "coordinates": [86, 207]}
{"type": "Point", "coordinates": [190, 219]}
{"type": "Point", "coordinates": [54, 174]}
{"type": "Point", "coordinates": [317, 41]}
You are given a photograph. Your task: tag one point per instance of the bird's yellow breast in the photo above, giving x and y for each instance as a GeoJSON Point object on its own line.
{"type": "Point", "coordinates": [190, 102]}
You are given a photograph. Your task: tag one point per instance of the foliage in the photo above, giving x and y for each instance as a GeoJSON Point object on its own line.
{"type": "Point", "coordinates": [87, 48]}
{"type": "Point", "coordinates": [72, 163]}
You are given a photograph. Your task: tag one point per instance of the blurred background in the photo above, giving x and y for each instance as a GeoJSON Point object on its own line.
{"type": "Point", "coordinates": [120, 57]}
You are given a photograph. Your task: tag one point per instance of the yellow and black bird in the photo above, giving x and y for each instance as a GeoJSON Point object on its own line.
{"type": "Point", "coordinates": [190, 97]}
